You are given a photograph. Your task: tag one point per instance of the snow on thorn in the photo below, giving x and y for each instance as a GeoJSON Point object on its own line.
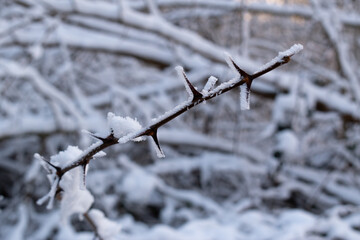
{"type": "Point", "coordinates": [234, 66]}
{"type": "Point", "coordinates": [282, 57]}
{"type": "Point", "coordinates": [193, 93]}
{"type": "Point", "coordinates": [209, 85]}
{"type": "Point", "coordinates": [159, 151]}
{"type": "Point", "coordinates": [244, 97]}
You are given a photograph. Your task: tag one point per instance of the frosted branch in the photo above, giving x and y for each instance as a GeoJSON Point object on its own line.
{"type": "Point", "coordinates": [282, 57]}
{"type": "Point", "coordinates": [133, 130]}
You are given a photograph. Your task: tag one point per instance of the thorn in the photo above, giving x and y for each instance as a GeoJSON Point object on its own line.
{"type": "Point", "coordinates": [93, 135]}
{"type": "Point", "coordinates": [97, 137]}
{"type": "Point", "coordinates": [191, 87]}
{"type": "Point", "coordinates": [230, 62]}
{"type": "Point", "coordinates": [248, 84]}
{"type": "Point", "coordinates": [38, 156]}
{"type": "Point", "coordinates": [246, 77]}
{"type": "Point", "coordinates": [159, 151]}
{"type": "Point", "coordinates": [241, 72]}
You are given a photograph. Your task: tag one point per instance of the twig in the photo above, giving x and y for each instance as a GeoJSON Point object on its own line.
{"type": "Point", "coordinates": [93, 225]}
{"type": "Point", "coordinates": [195, 99]}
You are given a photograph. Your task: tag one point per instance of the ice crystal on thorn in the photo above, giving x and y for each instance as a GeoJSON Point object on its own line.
{"type": "Point", "coordinates": [209, 85]}
{"type": "Point", "coordinates": [181, 74]}
{"type": "Point", "coordinates": [159, 151]}
{"type": "Point", "coordinates": [244, 97]}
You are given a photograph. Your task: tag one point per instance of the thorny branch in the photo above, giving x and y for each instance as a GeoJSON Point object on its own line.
{"type": "Point", "coordinates": [196, 98]}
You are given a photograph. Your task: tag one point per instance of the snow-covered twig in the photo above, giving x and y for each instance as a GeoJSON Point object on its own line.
{"type": "Point", "coordinates": [122, 130]}
{"type": "Point", "coordinates": [151, 130]}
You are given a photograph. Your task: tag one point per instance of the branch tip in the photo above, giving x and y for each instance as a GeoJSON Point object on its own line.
{"type": "Point", "coordinates": [93, 135]}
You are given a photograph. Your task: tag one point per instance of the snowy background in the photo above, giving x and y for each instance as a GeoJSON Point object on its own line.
{"type": "Point", "coordinates": [287, 169]}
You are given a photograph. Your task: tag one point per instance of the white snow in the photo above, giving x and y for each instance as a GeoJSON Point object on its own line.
{"type": "Point", "coordinates": [296, 48]}
{"type": "Point", "coordinates": [288, 144]}
{"type": "Point", "coordinates": [74, 198]}
{"type": "Point", "coordinates": [106, 228]}
{"type": "Point", "coordinates": [52, 71]}
{"type": "Point", "coordinates": [122, 126]}
{"type": "Point", "coordinates": [66, 157]}
{"type": "Point", "coordinates": [181, 74]}
{"type": "Point", "coordinates": [209, 85]}
{"type": "Point", "coordinates": [244, 97]}
{"type": "Point", "coordinates": [36, 51]}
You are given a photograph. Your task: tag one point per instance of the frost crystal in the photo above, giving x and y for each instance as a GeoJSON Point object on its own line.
{"type": "Point", "coordinates": [229, 61]}
{"type": "Point", "coordinates": [74, 199]}
{"type": "Point", "coordinates": [293, 50]}
{"type": "Point", "coordinates": [53, 179]}
{"type": "Point", "coordinates": [209, 85]}
{"type": "Point", "coordinates": [288, 53]}
{"type": "Point", "coordinates": [244, 97]}
{"type": "Point", "coordinates": [67, 157]}
{"type": "Point", "coordinates": [122, 126]}
{"type": "Point", "coordinates": [159, 151]}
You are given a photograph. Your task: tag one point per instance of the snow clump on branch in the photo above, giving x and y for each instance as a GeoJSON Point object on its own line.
{"type": "Point", "coordinates": [120, 126]}
{"type": "Point", "coordinates": [75, 198]}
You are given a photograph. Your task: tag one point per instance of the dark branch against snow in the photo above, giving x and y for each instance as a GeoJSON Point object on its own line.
{"type": "Point", "coordinates": [151, 130]}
